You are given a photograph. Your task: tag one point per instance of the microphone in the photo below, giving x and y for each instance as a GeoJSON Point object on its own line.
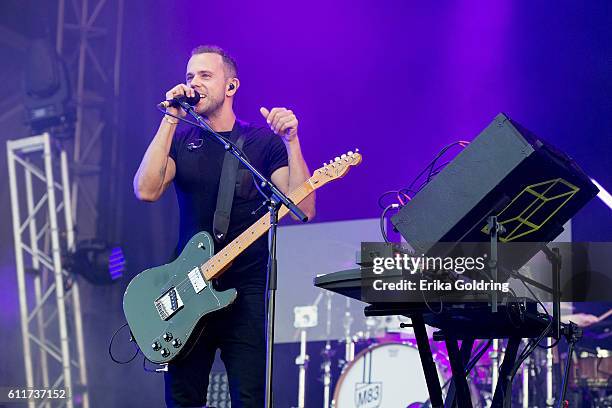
{"type": "Point", "coordinates": [174, 102]}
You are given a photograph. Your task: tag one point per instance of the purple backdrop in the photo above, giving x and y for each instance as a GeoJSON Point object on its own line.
{"type": "Point", "coordinates": [397, 79]}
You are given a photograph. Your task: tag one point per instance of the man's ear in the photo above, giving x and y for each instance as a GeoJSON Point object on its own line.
{"type": "Point", "coordinates": [232, 86]}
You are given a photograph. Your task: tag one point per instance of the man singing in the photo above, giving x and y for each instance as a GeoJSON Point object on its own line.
{"type": "Point", "coordinates": [194, 162]}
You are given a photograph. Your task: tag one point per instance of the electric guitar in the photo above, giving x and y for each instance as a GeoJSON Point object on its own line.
{"type": "Point", "coordinates": [165, 306]}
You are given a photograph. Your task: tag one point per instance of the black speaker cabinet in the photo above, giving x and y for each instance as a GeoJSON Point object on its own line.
{"type": "Point", "coordinates": [506, 171]}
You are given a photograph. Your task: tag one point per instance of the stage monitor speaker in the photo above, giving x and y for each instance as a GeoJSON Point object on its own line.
{"type": "Point", "coordinates": [532, 187]}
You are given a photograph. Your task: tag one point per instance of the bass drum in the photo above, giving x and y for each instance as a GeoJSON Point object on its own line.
{"type": "Point", "coordinates": [388, 375]}
{"type": "Point", "coordinates": [383, 376]}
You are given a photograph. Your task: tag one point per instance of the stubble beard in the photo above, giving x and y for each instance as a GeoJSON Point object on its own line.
{"type": "Point", "coordinates": [212, 105]}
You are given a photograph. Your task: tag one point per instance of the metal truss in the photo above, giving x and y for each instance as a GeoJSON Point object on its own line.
{"type": "Point", "coordinates": [89, 37]}
{"type": "Point", "coordinates": [43, 232]}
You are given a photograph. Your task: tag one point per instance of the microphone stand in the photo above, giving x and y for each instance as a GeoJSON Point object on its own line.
{"type": "Point", "coordinates": [274, 202]}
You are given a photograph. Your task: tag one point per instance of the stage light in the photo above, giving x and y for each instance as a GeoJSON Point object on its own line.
{"type": "Point", "coordinates": [47, 95]}
{"type": "Point", "coordinates": [97, 261]}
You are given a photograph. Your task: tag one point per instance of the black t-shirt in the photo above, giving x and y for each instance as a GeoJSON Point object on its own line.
{"type": "Point", "coordinates": [197, 184]}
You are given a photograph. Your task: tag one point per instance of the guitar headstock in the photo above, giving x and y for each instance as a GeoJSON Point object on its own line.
{"type": "Point", "coordinates": [335, 168]}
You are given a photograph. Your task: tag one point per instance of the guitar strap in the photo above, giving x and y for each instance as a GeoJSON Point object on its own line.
{"type": "Point", "coordinates": [227, 184]}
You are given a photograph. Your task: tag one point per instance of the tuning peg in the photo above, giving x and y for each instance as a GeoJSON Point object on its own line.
{"type": "Point", "coordinates": [356, 150]}
{"type": "Point", "coordinates": [350, 153]}
{"type": "Point", "coordinates": [343, 156]}
{"type": "Point", "coordinates": [337, 159]}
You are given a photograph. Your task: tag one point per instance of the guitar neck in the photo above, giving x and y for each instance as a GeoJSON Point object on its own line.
{"type": "Point", "coordinates": [215, 266]}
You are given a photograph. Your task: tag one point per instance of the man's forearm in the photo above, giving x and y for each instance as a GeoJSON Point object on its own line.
{"type": "Point", "coordinates": [298, 173]}
{"type": "Point", "coordinates": [149, 179]}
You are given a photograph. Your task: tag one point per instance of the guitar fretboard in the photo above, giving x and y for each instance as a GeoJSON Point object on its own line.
{"type": "Point", "coordinates": [218, 263]}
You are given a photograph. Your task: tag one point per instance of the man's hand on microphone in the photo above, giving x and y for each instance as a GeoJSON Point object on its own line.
{"type": "Point", "coordinates": [180, 89]}
{"type": "Point", "coordinates": [282, 121]}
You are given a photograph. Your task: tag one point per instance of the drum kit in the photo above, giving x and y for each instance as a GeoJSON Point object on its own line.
{"type": "Point", "coordinates": [382, 359]}
{"type": "Point", "coordinates": [380, 367]}
{"type": "Point", "coordinates": [591, 377]}
{"type": "Point", "coordinates": [388, 363]}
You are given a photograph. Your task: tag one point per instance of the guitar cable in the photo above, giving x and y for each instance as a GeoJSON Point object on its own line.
{"type": "Point", "coordinates": [110, 347]}
{"type": "Point", "coordinates": [161, 367]}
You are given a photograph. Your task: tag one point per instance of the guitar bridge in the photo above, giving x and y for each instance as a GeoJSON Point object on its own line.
{"type": "Point", "coordinates": [168, 304]}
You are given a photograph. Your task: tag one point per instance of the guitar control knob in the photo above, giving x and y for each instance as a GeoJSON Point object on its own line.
{"type": "Point", "coordinates": [155, 346]}
{"type": "Point", "coordinates": [165, 353]}
{"type": "Point", "coordinates": [167, 336]}
{"type": "Point", "coordinates": [176, 343]}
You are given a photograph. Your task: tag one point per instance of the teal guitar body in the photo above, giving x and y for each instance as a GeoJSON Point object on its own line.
{"type": "Point", "coordinates": [166, 306]}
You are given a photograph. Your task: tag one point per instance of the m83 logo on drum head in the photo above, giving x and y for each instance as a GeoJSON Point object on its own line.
{"type": "Point", "coordinates": [368, 395]}
{"type": "Point", "coordinates": [382, 376]}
